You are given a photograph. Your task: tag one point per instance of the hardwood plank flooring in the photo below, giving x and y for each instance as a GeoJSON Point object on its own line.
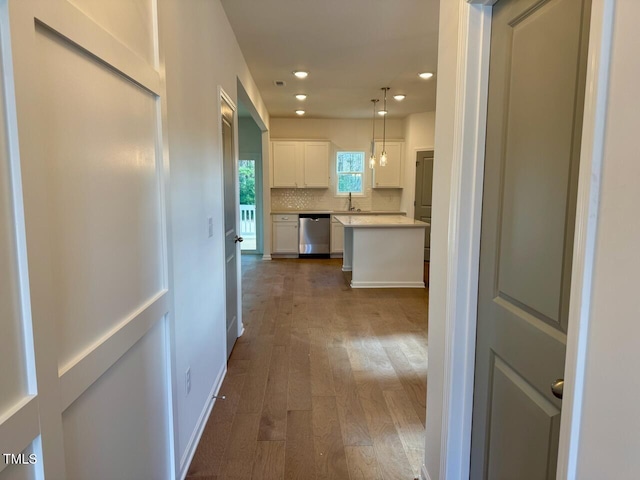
{"type": "Point", "coordinates": [269, 462]}
{"type": "Point", "coordinates": [326, 382]}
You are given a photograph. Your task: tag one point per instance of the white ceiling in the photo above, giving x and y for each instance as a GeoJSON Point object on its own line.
{"type": "Point", "coordinates": [351, 48]}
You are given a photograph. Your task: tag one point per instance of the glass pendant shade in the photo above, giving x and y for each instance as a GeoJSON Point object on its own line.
{"type": "Point", "coordinates": [383, 159]}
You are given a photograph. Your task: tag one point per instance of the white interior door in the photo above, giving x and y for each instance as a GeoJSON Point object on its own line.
{"type": "Point", "coordinates": [231, 236]}
{"type": "Point", "coordinates": [424, 192]}
{"type": "Point", "coordinates": [536, 92]}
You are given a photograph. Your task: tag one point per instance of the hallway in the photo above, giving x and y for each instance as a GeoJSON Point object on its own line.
{"type": "Point", "coordinates": [326, 382]}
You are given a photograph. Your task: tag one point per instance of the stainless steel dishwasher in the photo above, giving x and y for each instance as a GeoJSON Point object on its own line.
{"type": "Point", "coordinates": [314, 234]}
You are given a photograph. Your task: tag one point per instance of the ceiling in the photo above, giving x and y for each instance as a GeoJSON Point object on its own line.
{"type": "Point", "coordinates": [351, 49]}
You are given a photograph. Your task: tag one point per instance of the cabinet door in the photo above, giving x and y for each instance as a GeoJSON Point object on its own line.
{"type": "Point", "coordinates": [337, 238]}
{"type": "Point", "coordinates": [316, 164]}
{"type": "Point", "coordinates": [389, 176]}
{"type": "Point", "coordinates": [285, 156]}
{"type": "Point", "coordinates": [285, 237]}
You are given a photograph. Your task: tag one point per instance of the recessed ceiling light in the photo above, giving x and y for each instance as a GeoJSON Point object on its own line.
{"type": "Point", "coordinates": [399, 97]}
{"type": "Point", "coordinates": [382, 112]}
{"type": "Point", "coordinates": [300, 112]}
{"type": "Point", "coordinates": [425, 75]}
{"type": "Point", "coordinates": [301, 74]}
{"type": "Point", "coordinates": [301, 96]}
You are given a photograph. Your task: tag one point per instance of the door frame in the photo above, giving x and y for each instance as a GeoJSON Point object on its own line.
{"type": "Point", "coordinates": [224, 96]}
{"type": "Point", "coordinates": [465, 202]}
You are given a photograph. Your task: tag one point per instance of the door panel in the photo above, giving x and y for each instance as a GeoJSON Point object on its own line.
{"type": "Point", "coordinates": [424, 189]}
{"type": "Point", "coordinates": [536, 93]}
{"type": "Point", "coordinates": [231, 258]}
{"type": "Point", "coordinates": [534, 216]}
{"type": "Point", "coordinates": [511, 395]}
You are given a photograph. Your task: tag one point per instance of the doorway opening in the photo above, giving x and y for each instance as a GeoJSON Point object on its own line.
{"type": "Point", "coordinates": [249, 181]}
{"type": "Point", "coordinates": [248, 221]}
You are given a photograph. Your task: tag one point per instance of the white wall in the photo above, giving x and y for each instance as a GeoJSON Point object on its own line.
{"type": "Point", "coordinates": [419, 132]}
{"type": "Point", "coordinates": [609, 437]}
{"type": "Point", "coordinates": [201, 53]}
{"type": "Point", "coordinates": [345, 133]}
{"type": "Point", "coordinates": [249, 136]}
{"type": "Point", "coordinates": [96, 295]}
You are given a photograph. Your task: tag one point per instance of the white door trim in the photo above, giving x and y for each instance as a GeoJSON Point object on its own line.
{"type": "Point", "coordinates": [467, 167]}
{"type": "Point", "coordinates": [591, 158]}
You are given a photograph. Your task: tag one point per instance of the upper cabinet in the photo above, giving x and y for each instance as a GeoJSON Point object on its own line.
{"type": "Point", "coordinates": [300, 164]}
{"type": "Point", "coordinates": [389, 176]}
{"type": "Point", "coordinates": [286, 159]}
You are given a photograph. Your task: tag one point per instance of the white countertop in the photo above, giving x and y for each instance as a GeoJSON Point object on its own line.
{"type": "Point", "coordinates": [336, 212]}
{"type": "Point", "coordinates": [373, 221]}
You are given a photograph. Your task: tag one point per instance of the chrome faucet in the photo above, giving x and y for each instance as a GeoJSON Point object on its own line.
{"type": "Point", "coordinates": [351, 207]}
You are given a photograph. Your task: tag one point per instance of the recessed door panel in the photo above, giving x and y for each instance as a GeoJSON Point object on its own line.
{"type": "Point", "coordinates": [530, 459]}
{"type": "Point", "coordinates": [538, 141]}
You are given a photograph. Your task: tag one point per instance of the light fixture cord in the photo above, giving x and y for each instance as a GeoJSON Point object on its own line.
{"type": "Point", "coordinates": [373, 133]}
{"type": "Point", "coordinates": [384, 122]}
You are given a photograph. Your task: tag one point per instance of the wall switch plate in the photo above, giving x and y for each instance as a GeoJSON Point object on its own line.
{"type": "Point", "coordinates": [210, 227]}
{"type": "Point", "coordinates": [187, 380]}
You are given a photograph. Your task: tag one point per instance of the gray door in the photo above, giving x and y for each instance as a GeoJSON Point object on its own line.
{"type": "Point", "coordinates": [231, 237]}
{"type": "Point", "coordinates": [534, 122]}
{"type": "Point", "coordinates": [424, 188]}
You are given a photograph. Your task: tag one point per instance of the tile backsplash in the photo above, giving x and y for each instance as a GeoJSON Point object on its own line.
{"type": "Point", "coordinates": [324, 199]}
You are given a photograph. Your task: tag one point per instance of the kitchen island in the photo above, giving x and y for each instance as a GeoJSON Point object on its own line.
{"type": "Point", "coordinates": [383, 251]}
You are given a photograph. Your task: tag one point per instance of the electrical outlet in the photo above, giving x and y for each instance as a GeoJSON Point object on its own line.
{"type": "Point", "coordinates": [210, 227]}
{"type": "Point", "coordinates": [187, 380]}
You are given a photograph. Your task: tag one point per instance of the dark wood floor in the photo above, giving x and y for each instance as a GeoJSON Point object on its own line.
{"type": "Point", "coordinates": [326, 383]}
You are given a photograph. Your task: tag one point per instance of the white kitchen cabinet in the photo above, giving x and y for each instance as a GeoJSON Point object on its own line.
{"type": "Point", "coordinates": [337, 236]}
{"type": "Point", "coordinates": [389, 176]}
{"type": "Point", "coordinates": [285, 234]}
{"type": "Point", "coordinates": [316, 165]}
{"type": "Point", "coordinates": [300, 164]}
{"type": "Point", "coordinates": [285, 158]}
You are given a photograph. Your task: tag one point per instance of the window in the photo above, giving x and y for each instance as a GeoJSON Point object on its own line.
{"type": "Point", "coordinates": [350, 170]}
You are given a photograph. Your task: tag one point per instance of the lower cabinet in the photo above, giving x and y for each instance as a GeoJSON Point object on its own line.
{"type": "Point", "coordinates": [285, 234]}
{"type": "Point", "coordinates": [337, 237]}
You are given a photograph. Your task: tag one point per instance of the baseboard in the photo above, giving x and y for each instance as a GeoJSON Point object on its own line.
{"type": "Point", "coordinates": [424, 475]}
{"type": "Point", "coordinates": [266, 257]}
{"type": "Point", "coordinates": [356, 284]}
{"type": "Point", "coordinates": [190, 451]}
{"type": "Point", "coordinates": [346, 269]}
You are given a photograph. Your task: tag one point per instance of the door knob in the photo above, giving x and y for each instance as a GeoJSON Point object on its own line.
{"type": "Point", "coordinates": [238, 239]}
{"type": "Point", "coordinates": [557, 388]}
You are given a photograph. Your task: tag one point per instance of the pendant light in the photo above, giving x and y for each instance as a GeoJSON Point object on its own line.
{"type": "Point", "coordinates": [372, 158]}
{"type": "Point", "coordinates": [383, 155]}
